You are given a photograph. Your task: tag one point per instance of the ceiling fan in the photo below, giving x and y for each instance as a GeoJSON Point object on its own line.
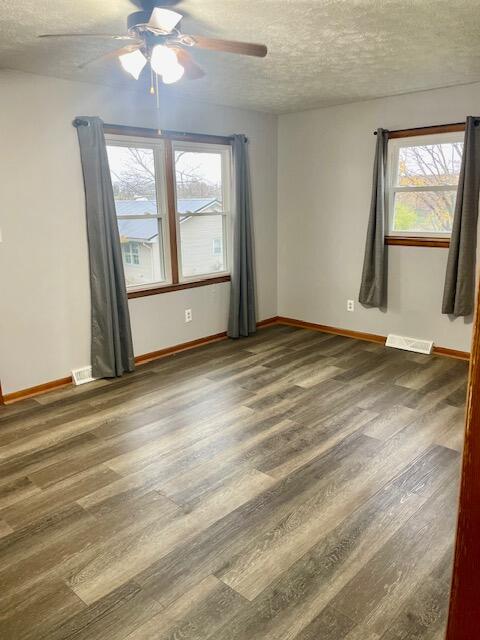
{"type": "Point", "coordinates": [154, 38]}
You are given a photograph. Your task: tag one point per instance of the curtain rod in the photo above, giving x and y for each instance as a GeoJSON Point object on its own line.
{"type": "Point", "coordinates": [78, 122]}
{"type": "Point", "coordinates": [399, 132]}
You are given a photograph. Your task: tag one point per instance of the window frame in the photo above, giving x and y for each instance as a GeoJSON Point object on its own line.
{"type": "Point", "coordinates": [158, 149]}
{"type": "Point", "coordinates": [142, 137]}
{"type": "Point", "coordinates": [397, 140]}
{"type": "Point", "coordinates": [226, 213]}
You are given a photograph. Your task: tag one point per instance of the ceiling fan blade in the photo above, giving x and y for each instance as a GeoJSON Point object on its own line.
{"type": "Point", "coordinates": [87, 35]}
{"type": "Point", "coordinates": [111, 54]}
{"type": "Point", "coordinates": [193, 71]}
{"type": "Point", "coordinates": [230, 46]}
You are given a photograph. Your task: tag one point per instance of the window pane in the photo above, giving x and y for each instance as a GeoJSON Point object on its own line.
{"type": "Point", "coordinates": [202, 245]}
{"type": "Point", "coordinates": [142, 251]}
{"type": "Point", "coordinates": [424, 211]}
{"type": "Point", "coordinates": [134, 188]}
{"type": "Point", "coordinates": [133, 178]}
{"type": "Point", "coordinates": [199, 181]}
{"type": "Point", "coordinates": [429, 164]}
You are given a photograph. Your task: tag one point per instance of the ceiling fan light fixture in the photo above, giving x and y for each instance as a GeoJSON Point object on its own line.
{"type": "Point", "coordinates": [165, 63]}
{"type": "Point", "coordinates": [162, 59]}
{"type": "Point", "coordinates": [173, 74]}
{"type": "Point", "coordinates": [133, 63]}
{"type": "Point", "coordinates": [164, 20]}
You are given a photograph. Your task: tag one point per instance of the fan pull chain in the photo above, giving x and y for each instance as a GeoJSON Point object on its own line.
{"type": "Point", "coordinates": [152, 87]}
{"type": "Point", "coordinates": [154, 91]}
{"type": "Point", "coordinates": [158, 104]}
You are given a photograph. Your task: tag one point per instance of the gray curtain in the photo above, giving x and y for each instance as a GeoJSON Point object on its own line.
{"type": "Point", "coordinates": [373, 288]}
{"type": "Point", "coordinates": [111, 339]}
{"type": "Point", "coordinates": [242, 320]}
{"type": "Point", "coordinates": [459, 290]}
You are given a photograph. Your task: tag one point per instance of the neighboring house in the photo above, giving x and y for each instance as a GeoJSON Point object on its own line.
{"type": "Point", "coordinates": [201, 239]}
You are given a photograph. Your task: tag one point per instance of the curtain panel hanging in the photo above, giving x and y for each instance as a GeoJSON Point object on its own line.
{"type": "Point", "coordinates": [373, 287]}
{"type": "Point", "coordinates": [242, 317]}
{"type": "Point", "coordinates": [111, 338]}
{"type": "Point", "coordinates": [459, 290]}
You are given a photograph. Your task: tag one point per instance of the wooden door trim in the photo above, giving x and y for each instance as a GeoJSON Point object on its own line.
{"type": "Point", "coordinates": [464, 610]}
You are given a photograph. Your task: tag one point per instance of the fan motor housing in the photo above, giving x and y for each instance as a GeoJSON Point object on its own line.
{"type": "Point", "coordinates": [137, 18]}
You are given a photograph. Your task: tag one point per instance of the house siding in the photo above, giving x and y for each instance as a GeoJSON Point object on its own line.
{"type": "Point", "coordinates": [197, 236]}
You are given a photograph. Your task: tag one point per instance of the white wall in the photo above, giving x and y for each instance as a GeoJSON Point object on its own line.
{"type": "Point", "coordinates": [324, 177]}
{"type": "Point", "coordinates": [324, 183]}
{"type": "Point", "coordinates": [44, 291]}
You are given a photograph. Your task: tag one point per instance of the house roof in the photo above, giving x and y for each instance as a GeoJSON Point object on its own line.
{"type": "Point", "coordinates": [145, 229]}
{"type": "Point", "coordinates": [135, 207]}
{"type": "Point", "coordinates": [140, 229]}
{"type": "Point", "coordinates": [195, 205]}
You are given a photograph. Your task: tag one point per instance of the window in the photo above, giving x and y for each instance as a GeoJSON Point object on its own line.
{"type": "Point", "coordinates": [139, 191]}
{"type": "Point", "coordinates": [172, 201]}
{"type": "Point", "coordinates": [422, 179]}
{"type": "Point", "coordinates": [130, 253]}
{"type": "Point", "coordinates": [202, 179]}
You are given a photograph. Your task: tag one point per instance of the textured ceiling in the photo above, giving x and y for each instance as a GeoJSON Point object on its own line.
{"type": "Point", "coordinates": [321, 52]}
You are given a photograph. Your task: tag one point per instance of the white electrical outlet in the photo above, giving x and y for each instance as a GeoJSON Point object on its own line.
{"type": "Point", "coordinates": [350, 305]}
{"type": "Point", "coordinates": [188, 315]}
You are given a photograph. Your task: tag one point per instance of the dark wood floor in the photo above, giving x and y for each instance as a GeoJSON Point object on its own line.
{"type": "Point", "coordinates": [295, 485]}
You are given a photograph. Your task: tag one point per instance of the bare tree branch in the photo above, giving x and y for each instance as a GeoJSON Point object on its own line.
{"type": "Point", "coordinates": [434, 164]}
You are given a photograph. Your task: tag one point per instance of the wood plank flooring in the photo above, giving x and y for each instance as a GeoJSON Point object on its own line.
{"type": "Point", "coordinates": [293, 485]}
